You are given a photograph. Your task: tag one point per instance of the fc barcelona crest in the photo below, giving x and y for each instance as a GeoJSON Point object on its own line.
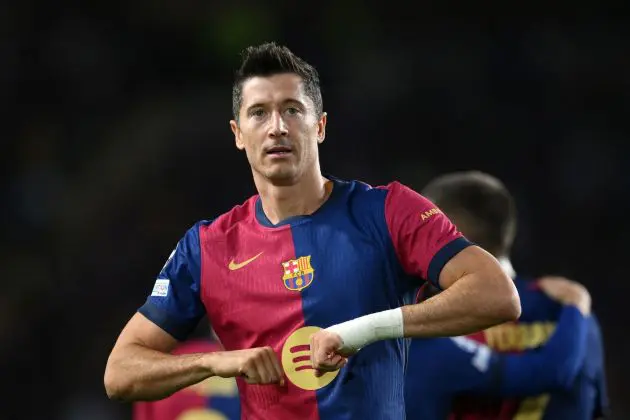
{"type": "Point", "coordinates": [298, 274]}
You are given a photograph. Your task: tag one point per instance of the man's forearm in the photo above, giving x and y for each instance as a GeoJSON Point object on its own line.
{"type": "Point", "coordinates": [471, 304]}
{"type": "Point", "coordinates": [137, 373]}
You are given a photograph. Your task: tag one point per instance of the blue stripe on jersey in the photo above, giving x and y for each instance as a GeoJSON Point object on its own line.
{"type": "Point", "coordinates": [177, 308]}
{"type": "Point", "coordinates": [356, 272]}
{"type": "Point", "coordinates": [443, 256]}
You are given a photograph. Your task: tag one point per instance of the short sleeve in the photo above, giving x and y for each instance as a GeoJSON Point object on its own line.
{"type": "Point", "coordinates": [423, 237]}
{"type": "Point", "coordinates": [175, 303]}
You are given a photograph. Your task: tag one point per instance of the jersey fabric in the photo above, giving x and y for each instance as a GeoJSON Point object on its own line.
{"type": "Point", "coordinates": [214, 398]}
{"type": "Point", "coordinates": [460, 364]}
{"type": "Point", "coordinates": [584, 399]}
{"type": "Point", "coordinates": [364, 250]}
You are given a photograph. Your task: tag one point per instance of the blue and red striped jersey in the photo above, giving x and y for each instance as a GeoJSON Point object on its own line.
{"type": "Point", "coordinates": [364, 250]}
{"type": "Point", "coordinates": [213, 398]}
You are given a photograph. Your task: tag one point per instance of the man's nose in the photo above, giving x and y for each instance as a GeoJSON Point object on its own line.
{"type": "Point", "coordinates": [278, 126]}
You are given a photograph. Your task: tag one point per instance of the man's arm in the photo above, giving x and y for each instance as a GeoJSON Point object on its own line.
{"type": "Point", "coordinates": [478, 294]}
{"type": "Point", "coordinates": [427, 245]}
{"type": "Point", "coordinates": [140, 366]}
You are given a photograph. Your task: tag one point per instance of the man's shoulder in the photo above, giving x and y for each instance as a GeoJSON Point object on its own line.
{"type": "Point", "coordinates": [365, 193]}
{"type": "Point", "coordinates": [382, 188]}
{"type": "Point", "coordinates": [223, 223]}
{"type": "Point", "coordinates": [363, 202]}
{"type": "Point", "coordinates": [398, 195]}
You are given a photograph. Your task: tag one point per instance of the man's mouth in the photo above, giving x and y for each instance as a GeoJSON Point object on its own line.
{"type": "Point", "coordinates": [279, 150]}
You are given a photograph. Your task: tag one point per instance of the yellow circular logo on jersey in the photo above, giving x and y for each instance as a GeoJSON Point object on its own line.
{"type": "Point", "coordinates": [296, 361]}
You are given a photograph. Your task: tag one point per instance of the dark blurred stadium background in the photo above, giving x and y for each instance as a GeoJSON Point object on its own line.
{"type": "Point", "coordinates": [116, 140]}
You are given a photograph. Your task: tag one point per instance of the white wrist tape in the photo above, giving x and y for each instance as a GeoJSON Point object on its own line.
{"type": "Point", "coordinates": [360, 332]}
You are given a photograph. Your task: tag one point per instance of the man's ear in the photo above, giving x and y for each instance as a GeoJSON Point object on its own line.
{"type": "Point", "coordinates": [321, 128]}
{"type": "Point", "coordinates": [238, 139]}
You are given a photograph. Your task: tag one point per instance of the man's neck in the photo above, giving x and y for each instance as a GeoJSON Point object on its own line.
{"type": "Point", "coordinates": [280, 202]}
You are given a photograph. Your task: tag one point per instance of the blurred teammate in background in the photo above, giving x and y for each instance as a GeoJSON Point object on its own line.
{"type": "Point", "coordinates": [475, 382]}
{"type": "Point", "coordinates": [303, 275]}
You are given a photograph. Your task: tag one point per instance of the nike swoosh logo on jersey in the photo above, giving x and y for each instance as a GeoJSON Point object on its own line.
{"type": "Point", "coordinates": [235, 266]}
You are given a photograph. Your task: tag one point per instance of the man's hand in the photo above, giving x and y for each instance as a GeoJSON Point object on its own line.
{"type": "Point", "coordinates": [326, 355]}
{"type": "Point", "coordinates": [259, 365]}
{"type": "Point", "coordinates": [567, 292]}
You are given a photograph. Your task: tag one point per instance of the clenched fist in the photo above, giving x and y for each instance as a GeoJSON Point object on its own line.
{"type": "Point", "coordinates": [259, 365]}
{"type": "Point", "coordinates": [326, 355]}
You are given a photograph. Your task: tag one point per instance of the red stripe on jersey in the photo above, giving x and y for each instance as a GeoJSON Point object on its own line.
{"type": "Point", "coordinates": [249, 305]}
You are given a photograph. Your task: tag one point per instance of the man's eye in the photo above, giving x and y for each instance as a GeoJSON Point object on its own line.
{"type": "Point", "coordinates": [293, 110]}
{"type": "Point", "coordinates": [257, 113]}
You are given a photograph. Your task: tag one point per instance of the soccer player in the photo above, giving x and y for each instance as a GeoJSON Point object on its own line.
{"type": "Point", "coordinates": [520, 370]}
{"type": "Point", "coordinates": [212, 398]}
{"type": "Point", "coordinates": [309, 283]}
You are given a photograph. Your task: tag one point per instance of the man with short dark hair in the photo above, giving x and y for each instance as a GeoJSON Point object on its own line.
{"type": "Point", "coordinates": [308, 284]}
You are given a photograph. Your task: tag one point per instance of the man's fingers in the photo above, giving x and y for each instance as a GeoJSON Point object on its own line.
{"type": "Point", "coordinates": [328, 362]}
{"type": "Point", "coordinates": [267, 373]}
{"type": "Point", "coordinates": [262, 368]}
{"type": "Point", "coordinates": [321, 358]}
{"type": "Point", "coordinates": [338, 361]}
{"type": "Point", "coordinates": [324, 355]}
{"type": "Point", "coordinates": [250, 374]}
{"type": "Point", "coordinates": [275, 363]}
{"type": "Point", "coordinates": [313, 351]}
{"type": "Point", "coordinates": [271, 363]}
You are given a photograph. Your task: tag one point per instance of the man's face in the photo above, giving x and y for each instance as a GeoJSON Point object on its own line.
{"type": "Point", "coordinates": [278, 127]}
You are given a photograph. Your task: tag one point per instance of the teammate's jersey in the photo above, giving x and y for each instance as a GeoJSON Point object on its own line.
{"type": "Point", "coordinates": [364, 250]}
{"type": "Point", "coordinates": [462, 365]}
{"type": "Point", "coordinates": [214, 398]}
{"type": "Point", "coordinates": [585, 399]}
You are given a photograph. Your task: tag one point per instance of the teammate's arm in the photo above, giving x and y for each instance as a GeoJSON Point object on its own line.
{"type": "Point", "coordinates": [462, 365]}
{"type": "Point", "coordinates": [478, 369]}
{"type": "Point", "coordinates": [140, 366]}
{"type": "Point", "coordinates": [552, 367]}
